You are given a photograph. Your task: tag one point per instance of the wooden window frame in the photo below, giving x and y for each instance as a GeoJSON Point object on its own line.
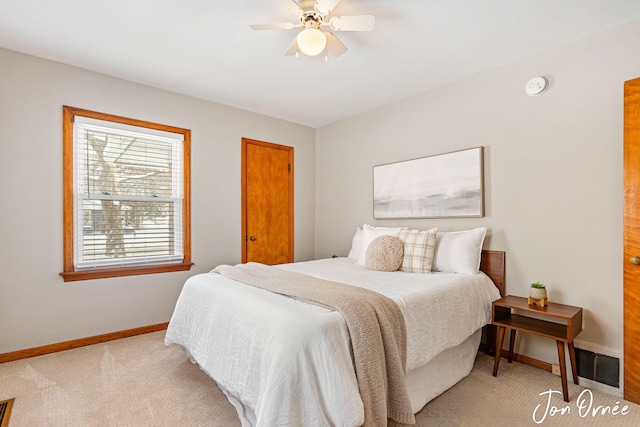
{"type": "Point", "coordinates": [70, 273]}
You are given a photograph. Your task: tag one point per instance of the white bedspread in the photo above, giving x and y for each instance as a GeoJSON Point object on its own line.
{"type": "Point", "coordinates": [285, 362]}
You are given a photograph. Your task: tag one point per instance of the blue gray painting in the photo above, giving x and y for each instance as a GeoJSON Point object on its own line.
{"type": "Point", "coordinates": [447, 185]}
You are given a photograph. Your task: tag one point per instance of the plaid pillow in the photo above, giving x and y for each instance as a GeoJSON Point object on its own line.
{"type": "Point", "coordinates": [419, 247]}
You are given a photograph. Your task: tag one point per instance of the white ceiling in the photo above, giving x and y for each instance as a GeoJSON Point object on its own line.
{"type": "Point", "coordinates": [205, 48]}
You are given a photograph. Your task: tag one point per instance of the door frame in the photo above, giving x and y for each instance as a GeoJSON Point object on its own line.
{"type": "Point", "coordinates": [631, 272]}
{"type": "Point", "coordinates": [244, 236]}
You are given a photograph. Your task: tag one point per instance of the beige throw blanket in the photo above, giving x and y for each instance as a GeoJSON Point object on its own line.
{"type": "Point", "coordinates": [376, 326]}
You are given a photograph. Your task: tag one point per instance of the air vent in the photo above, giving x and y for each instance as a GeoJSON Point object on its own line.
{"type": "Point", "coordinates": [598, 367]}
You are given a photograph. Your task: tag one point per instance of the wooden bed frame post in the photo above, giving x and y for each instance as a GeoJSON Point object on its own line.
{"type": "Point", "coordinates": [492, 263]}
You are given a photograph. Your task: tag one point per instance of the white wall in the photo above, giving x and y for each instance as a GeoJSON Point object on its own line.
{"type": "Point", "coordinates": [553, 181]}
{"type": "Point", "coordinates": [36, 306]}
{"type": "Point", "coordinates": [553, 173]}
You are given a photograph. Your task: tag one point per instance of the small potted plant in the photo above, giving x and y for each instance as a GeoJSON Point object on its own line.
{"type": "Point", "coordinates": [538, 293]}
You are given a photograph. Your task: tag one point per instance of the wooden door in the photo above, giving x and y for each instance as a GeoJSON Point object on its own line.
{"type": "Point", "coordinates": [267, 202]}
{"type": "Point", "coordinates": [632, 240]}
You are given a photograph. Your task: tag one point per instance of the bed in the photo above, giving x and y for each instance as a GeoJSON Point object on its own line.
{"type": "Point", "coordinates": [283, 361]}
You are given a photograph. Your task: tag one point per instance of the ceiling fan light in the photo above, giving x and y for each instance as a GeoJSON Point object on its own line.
{"type": "Point", "coordinates": [311, 41]}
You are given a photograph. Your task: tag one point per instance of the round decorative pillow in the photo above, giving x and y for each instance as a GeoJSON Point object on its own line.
{"type": "Point", "coordinates": [385, 253]}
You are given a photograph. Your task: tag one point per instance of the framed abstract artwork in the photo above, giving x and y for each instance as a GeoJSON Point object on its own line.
{"type": "Point", "coordinates": [447, 185]}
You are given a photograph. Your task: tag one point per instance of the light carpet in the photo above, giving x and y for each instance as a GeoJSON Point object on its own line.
{"type": "Point", "coordinates": [140, 382]}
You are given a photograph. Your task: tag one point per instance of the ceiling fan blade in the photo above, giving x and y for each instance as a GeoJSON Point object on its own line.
{"type": "Point", "coordinates": [278, 26]}
{"type": "Point", "coordinates": [293, 48]}
{"type": "Point", "coordinates": [325, 7]}
{"type": "Point", "coordinates": [294, 7]}
{"type": "Point", "coordinates": [334, 45]}
{"type": "Point", "coordinates": [353, 23]}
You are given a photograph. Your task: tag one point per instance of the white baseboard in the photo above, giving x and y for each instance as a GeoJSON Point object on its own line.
{"type": "Point", "coordinates": [604, 388]}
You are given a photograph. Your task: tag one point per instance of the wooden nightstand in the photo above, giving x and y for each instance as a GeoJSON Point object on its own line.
{"type": "Point", "coordinates": [503, 316]}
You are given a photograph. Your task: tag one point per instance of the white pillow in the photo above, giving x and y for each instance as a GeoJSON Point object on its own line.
{"type": "Point", "coordinates": [369, 234]}
{"type": "Point", "coordinates": [356, 245]}
{"type": "Point", "coordinates": [419, 247]}
{"type": "Point", "coordinates": [459, 251]}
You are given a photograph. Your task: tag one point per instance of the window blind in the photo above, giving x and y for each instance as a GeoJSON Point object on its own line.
{"type": "Point", "coordinates": [128, 195]}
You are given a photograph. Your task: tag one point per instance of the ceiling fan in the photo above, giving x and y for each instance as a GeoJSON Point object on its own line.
{"type": "Point", "coordinates": [314, 17]}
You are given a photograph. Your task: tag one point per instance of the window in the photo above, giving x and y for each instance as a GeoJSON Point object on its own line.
{"type": "Point", "coordinates": [126, 196]}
